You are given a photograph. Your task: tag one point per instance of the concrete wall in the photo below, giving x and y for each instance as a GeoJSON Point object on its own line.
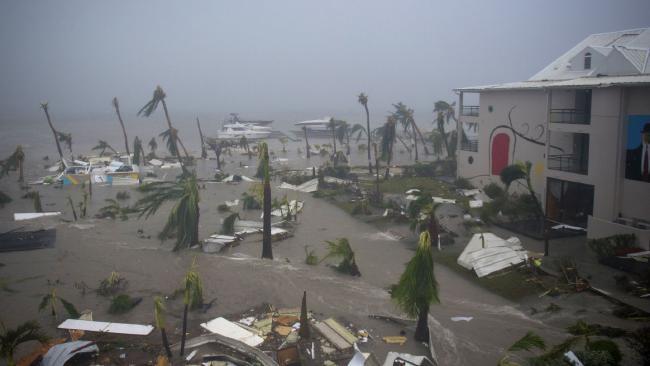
{"type": "Point", "coordinates": [599, 228]}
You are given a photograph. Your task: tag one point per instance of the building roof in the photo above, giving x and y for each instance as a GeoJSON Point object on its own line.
{"type": "Point", "coordinates": [584, 82]}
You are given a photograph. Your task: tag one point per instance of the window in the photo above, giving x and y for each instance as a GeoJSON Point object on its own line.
{"type": "Point", "coordinates": [588, 61]}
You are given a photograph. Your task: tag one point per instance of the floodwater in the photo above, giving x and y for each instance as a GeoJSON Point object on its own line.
{"type": "Point", "coordinates": [88, 250]}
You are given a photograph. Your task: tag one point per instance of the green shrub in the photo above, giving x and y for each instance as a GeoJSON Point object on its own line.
{"type": "Point", "coordinates": [595, 358]}
{"type": "Point", "coordinates": [463, 183]}
{"type": "Point", "coordinates": [123, 195]}
{"type": "Point", "coordinates": [639, 340]}
{"type": "Point", "coordinates": [607, 247]}
{"type": "Point", "coordinates": [494, 191]}
{"type": "Point", "coordinates": [123, 303]}
{"type": "Point", "coordinates": [338, 171]}
{"type": "Point", "coordinates": [605, 345]}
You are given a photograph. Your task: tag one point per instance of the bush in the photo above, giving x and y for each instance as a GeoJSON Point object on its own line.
{"type": "Point", "coordinates": [111, 285]}
{"type": "Point", "coordinates": [249, 202]}
{"type": "Point", "coordinates": [605, 345]}
{"type": "Point", "coordinates": [639, 340]}
{"type": "Point", "coordinates": [123, 195]}
{"type": "Point", "coordinates": [338, 171]}
{"type": "Point", "coordinates": [463, 183]}
{"type": "Point", "coordinates": [494, 191]}
{"type": "Point", "coordinates": [595, 358]}
{"type": "Point", "coordinates": [609, 246]}
{"type": "Point", "coordinates": [123, 303]}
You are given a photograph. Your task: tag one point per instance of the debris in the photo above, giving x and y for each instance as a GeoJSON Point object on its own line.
{"type": "Point", "coordinates": [59, 354]}
{"type": "Point", "coordinates": [33, 215]}
{"type": "Point", "coordinates": [476, 204]}
{"type": "Point", "coordinates": [394, 340]}
{"type": "Point", "coordinates": [287, 320]}
{"type": "Point", "coordinates": [332, 336]}
{"type": "Point", "coordinates": [237, 178]}
{"type": "Point", "coordinates": [215, 243]}
{"type": "Point", "coordinates": [569, 227]}
{"type": "Point", "coordinates": [283, 330]}
{"type": "Point", "coordinates": [307, 187]}
{"type": "Point", "coordinates": [413, 191]}
{"type": "Point", "coordinates": [27, 240]}
{"type": "Point", "coordinates": [461, 318]}
{"type": "Point", "coordinates": [573, 359]}
{"type": "Point", "coordinates": [247, 321]}
{"type": "Point", "coordinates": [288, 356]}
{"type": "Point", "coordinates": [335, 180]}
{"type": "Point", "coordinates": [362, 358]}
{"type": "Point", "coordinates": [106, 327]}
{"type": "Point", "coordinates": [338, 328]}
{"type": "Point", "coordinates": [469, 192]}
{"type": "Point", "coordinates": [487, 253]}
{"type": "Point", "coordinates": [393, 358]}
{"type": "Point", "coordinates": [293, 207]}
{"type": "Point", "coordinates": [224, 327]}
{"type": "Point", "coordinates": [443, 200]}
{"type": "Point", "coordinates": [232, 203]}
{"type": "Point", "coordinates": [263, 326]}
{"type": "Point", "coordinates": [191, 356]}
{"type": "Point", "coordinates": [155, 162]}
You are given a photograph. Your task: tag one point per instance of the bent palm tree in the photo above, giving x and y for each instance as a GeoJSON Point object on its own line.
{"type": "Point", "coordinates": [307, 148]}
{"type": "Point", "coordinates": [417, 288]}
{"type": "Point", "coordinates": [192, 297]}
{"type": "Point", "coordinates": [267, 248]}
{"type": "Point", "coordinates": [139, 157]}
{"type": "Point", "coordinates": [14, 162]}
{"type": "Point", "coordinates": [341, 249]}
{"type": "Point", "coordinates": [525, 343]}
{"type": "Point", "coordinates": [166, 136]}
{"type": "Point", "coordinates": [44, 106]}
{"type": "Point", "coordinates": [183, 220]}
{"type": "Point", "coordinates": [11, 338]}
{"type": "Point", "coordinates": [217, 146]}
{"type": "Point", "coordinates": [332, 126]}
{"type": "Point", "coordinates": [388, 136]}
{"type": "Point", "coordinates": [153, 145]}
{"type": "Point", "coordinates": [50, 301]}
{"type": "Point", "coordinates": [363, 100]}
{"type": "Point", "coordinates": [444, 113]}
{"type": "Point", "coordinates": [116, 105]}
{"type": "Point", "coordinates": [103, 145]}
{"type": "Point", "coordinates": [204, 153]}
{"type": "Point", "coordinates": [66, 138]}
{"type": "Point", "coordinates": [159, 317]}
{"type": "Point", "coordinates": [158, 98]}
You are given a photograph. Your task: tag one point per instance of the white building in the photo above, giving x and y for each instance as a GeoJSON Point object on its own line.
{"type": "Point", "coordinates": [583, 122]}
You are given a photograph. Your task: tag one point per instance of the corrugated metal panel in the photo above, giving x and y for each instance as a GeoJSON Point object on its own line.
{"type": "Point", "coordinates": [587, 82]}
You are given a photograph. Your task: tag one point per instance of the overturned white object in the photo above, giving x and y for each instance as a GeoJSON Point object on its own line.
{"type": "Point", "coordinates": [443, 200]}
{"type": "Point", "coordinates": [335, 180]}
{"type": "Point", "coordinates": [215, 243]}
{"type": "Point", "coordinates": [487, 253]}
{"type": "Point", "coordinates": [155, 162]}
{"type": "Point", "coordinates": [307, 187]}
{"type": "Point", "coordinates": [232, 203]}
{"type": "Point", "coordinates": [413, 191]}
{"type": "Point", "coordinates": [412, 197]}
{"type": "Point", "coordinates": [461, 318]}
{"type": "Point", "coordinates": [469, 192]}
{"type": "Point", "coordinates": [231, 330]}
{"type": "Point", "coordinates": [564, 226]}
{"type": "Point", "coordinates": [359, 358]}
{"type": "Point", "coordinates": [412, 359]}
{"type": "Point", "coordinates": [59, 354]}
{"type": "Point", "coordinates": [33, 215]}
{"type": "Point", "coordinates": [475, 203]}
{"type": "Point", "coordinates": [106, 327]}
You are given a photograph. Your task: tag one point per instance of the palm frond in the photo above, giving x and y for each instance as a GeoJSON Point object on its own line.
{"type": "Point", "coordinates": [69, 308]}
{"type": "Point", "coordinates": [150, 107]}
{"type": "Point", "coordinates": [527, 343]}
{"type": "Point", "coordinates": [159, 312]}
{"type": "Point", "coordinates": [228, 226]}
{"type": "Point", "coordinates": [193, 287]}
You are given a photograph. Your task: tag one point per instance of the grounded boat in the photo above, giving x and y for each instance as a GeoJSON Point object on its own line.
{"type": "Point", "coordinates": [238, 130]}
{"type": "Point", "coordinates": [316, 128]}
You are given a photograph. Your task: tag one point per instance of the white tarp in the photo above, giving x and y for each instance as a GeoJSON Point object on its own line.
{"type": "Point", "coordinates": [231, 330]}
{"type": "Point", "coordinates": [469, 192]}
{"type": "Point", "coordinates": [59, 354]}
{"type": "Point", "coordinates": [33, 215]}
{"type": "Point", "coordinates": [487, 253]}
{"type": "Point", "coordinates": [106, 327]}
{"type": "Point", "coordinates": [231, 178]}
{"type": "Point", "coordinates": [215, 243]}
{"type": "Point", "coordinates": [307, 187]}
{"type": "Point", "coordinates": [293, 207]}
{"type": "Point", "coordinates": [443, 200]}
{"type": "Point", "coordinates": [475, 203]}
{"type": "Point", "coordinates": [335, 180]}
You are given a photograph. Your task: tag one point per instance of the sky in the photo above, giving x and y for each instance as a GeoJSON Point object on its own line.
{"type": "Point", "coordinates": [283, 59]}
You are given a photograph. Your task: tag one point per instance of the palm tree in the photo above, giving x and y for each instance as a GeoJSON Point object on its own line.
{"type": "Point", "coordinates": [103, 145]}
{"type": "Point", "coordinates": [243, 143]}
{"type": "Point", "coordinates": [150, 107]}
{"type": "Point", "coordinates": [65, 138]}
{"type": "Point", "coordinates": [50, 301]}
{"type": "Point", "coordinates": [332, 126]}
{"type": "Point", "coordinates": [44, 106]}
{"type": "Point", "coordinates": [307, 148]}
{"type": "Point", "coordinates": [417, 288]}
{"type": "Point", "coordinates": [166, 138]}
{"type": "Point", "coordinates": [159, 317]}
{"type": "Point", "coordinates": [217, 146]}
{"type": "Point", "coordinates": [525, 343]}
{"type": "Point", "coordinates": [139, 157]}
{"type": "Point", "coordinates": [388, 136]}
{"type": "Point", "coordinates": [267, 248]}
{"type": "Point", "coordinates": [153, 145]}
{"type": "Point", "coordinates": [363, 100]}
{"type": "Point", "coordinates": [444, 113]}
{"type": "Point", "coordinates": [405, 116]}
{"type": "Point", "coordinates": [192, 297]}
{"type": "Point", "coordinates": [116, 105]}
{"type": "Point", "coordinates": [341, 249]}
{"type": "Point", "coordinates": [183, 221]}
{"type": "Point", "coordinates": [304, 330]}
{"type": "Point", "coordinates": [11, 338]}
{"type": "Point", "coordinates": [204, 153]}
{"type": "Point", "coordinates": [14, 162]}
{"type": "Point", "coordinates": [437, 141]}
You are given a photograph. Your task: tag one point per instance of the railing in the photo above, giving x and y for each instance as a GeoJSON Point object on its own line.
{"type": "Point", "coordinates": [469, 110]}
{"type": "Point", "coordinates": [568, 163]}
{"type": "Point", "coordinates": [469, 145]}
{"type": "Point", "coordinates": [572, 116]}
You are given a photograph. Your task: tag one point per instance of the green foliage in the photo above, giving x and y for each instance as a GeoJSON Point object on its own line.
{"type": "Point", "coordinates": [50, 301]}
{"type": "Point", "coordinates": [639, 340]}
{"type": "Point", "coordinates": [512, 173]}
{"type": "Point", "coordinates": [250, 202]}
{"type": "Point", "coordinates": [338, 171]}
{"type": "Point", "coordinates": [310, 256]}
{"type": "Point", "coordinates": [361, 207]}
{"type": "Point", "coordinates": [13, 162]}
{"type": "Point", "coordinates": [417, 288]}
{"type": "Point", "coordinates": [11, 338]}
{"type": "Point", "coordinates": [596, 358]}
{"type": "Point", "coordinates": [113, 210]}
{"type": "Point", "coordinates": [228, 225]}
{"type": "Point", "coordinates": [463, 183]}
{"type": "Point", "coordinates": [112, 284]}
{"type": "Point", "coordinates": [103, 146]}
{"type": "Point", "coordinates": [183, 220]}
{"type": "Point", "coordinates": [159, 312]}
{"type": "Point", "coordinates": [527, 343]}
{"type": "Point", "coordinates": [192, 287]}
{"type": "Point", "coordinates": [584, 329]}
{"type": "Point", "coordinates": [123, 195]}
{"type": "Point", "coordinates": [123, 303]}
{"type": "Point", "coordinates": [340, 248]}
{"type": "Point", "coordinates": [138, 151]}
{"type": "Point", "coordinates": [607, 346]}
{"type": "Point", "coordinates": [494, 190]}
{"type": "Point", "coordinates": [609, 246]}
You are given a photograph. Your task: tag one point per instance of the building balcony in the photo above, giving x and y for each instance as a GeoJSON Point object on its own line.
{"type": "Point", "coordinates": [569, 163]}
{"type": "Point", "coordinates": [571, 116]}
{"type": "Point", "coordinates": [469, 110]}
{"type": "Point", "coordinates": [469, 145]}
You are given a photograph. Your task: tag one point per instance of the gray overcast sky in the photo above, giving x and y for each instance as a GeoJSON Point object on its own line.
{"type": "Point", "coordinates": [280, 58]}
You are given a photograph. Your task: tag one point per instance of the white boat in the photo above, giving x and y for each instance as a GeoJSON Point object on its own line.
{"type": "Point", "coordinates": [238, 130]}
{"type": "Point", "coordinates": [316, 128]}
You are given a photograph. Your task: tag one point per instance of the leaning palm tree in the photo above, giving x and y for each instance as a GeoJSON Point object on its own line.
{"type": "Point", "coordinates": [332, 126]}
{"type": "Point", "coordinates": [341, 249]}
{"type": "Point", "coordinates": [204, 153]}
{"type": "Point", "coordinates": [159, 317]}
{"type": "Point", "coordinates": [444, 113]}
{"type": "Point", "coordinates": [158, 98]}
{"type": "Point", "coordinates": [103, 146]}
{"type": "Point", "coordinates": [66, 138]}
{"type": "Point", "coordinates": [153, 145]}
{"type": "Point", "coordinates": [166, 136]}
{"type": "Point", "coordinates": [139, 157]}
{"type": "Point", "coordinates": [217, 146]}
{"type": "Point", "coordinates": [522, 171]}
{"type": "Point", "coordinates": [192, 297]}
{"type": "Point", "coordinates": [363, 100]}
{"type": "Point", "coordinates": [404, 116]}
{"type": "Point", "coordinates": [388, 136]}
{"type": "Point", "coordinates": [11, 338]}
{"type": "Point", "coordinates": [417, 288]}
{"type": "Point", "coordinates": [14, 162]}
{"type": "Point", "coordinates": [183, 220]}
{"type": "Point", "coordinates": [267, 248]}
{"type": "Point", "coordinates": [116, 105]}
{"type": "Point", "coordinates": [44, 106]}
{"type": "Point", "coordinates": [50, 301]}
{"type": "Point", "coordinates": [307, 147]}
{"type": "Point", "coordinates": [526, 343]}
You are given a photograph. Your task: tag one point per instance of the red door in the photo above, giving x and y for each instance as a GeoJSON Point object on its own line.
{"type": "Point", "coordinates": [500, 152]}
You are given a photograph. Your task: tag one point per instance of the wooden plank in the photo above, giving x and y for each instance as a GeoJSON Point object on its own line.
{"type": "Point", "coordinates": [332, 337]}
{"type": "Point", "coordinates": [338, 328]}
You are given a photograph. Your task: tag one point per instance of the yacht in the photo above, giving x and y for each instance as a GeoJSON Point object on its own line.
{"type": "Point", "coordinates": [238, 130]}
{"type": "Point", "coordinates": [316, 128]}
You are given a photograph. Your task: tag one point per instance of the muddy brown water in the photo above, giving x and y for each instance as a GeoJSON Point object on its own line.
{"type": "Point", "coordinates": [88, 250]}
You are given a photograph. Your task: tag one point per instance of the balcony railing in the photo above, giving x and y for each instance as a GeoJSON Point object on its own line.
{"type": "Point", "coordinates": [568, 163]}
{"type": "Point", "coordinates": [469, 110]}
{"type": "Point", "coordinates": [469, 145]}
{"type": "Point", "coordinates": [573, 116]}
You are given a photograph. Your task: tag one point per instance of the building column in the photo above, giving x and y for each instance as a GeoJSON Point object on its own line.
{"type": "Point", "coordinates": [459, 130]}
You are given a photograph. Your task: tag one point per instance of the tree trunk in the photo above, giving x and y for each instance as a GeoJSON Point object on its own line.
{"type": "Point", "coordinates": [20, 171]}
{"type": "Point", "coordinates": [347, 145]}
{"type": "Point", "coordinates": [185, 309]}
{"type": "Point", "coordinates": [196, 226]}
{"type": "Point", "coordinates": [204, 154]}
{"type": "Point", "coordinates": [390, 155]}
{"type": "Point", "coordinates": [182, 146]}
{"type": "Point", "coordinates": [304, 129]}
{"type": "Point", "coordinates": [424, 144]}
{"type": "Point", "coordinates": [119, 117]}
{"type": "Point", "coordinates": [334, 139]}
{"type": "Point", "coordinates": [304, 330]}
{"type": "Point", "coordinates": [422, 328]}
{"type": "Point", "coordinates": [376, 169]}
{"type": "Point", "coordinates": [365, 106]}
{"type": "Point", "coordinates": [166, 343]}
{"type": "Point", "coordinates": [173, 137]}
{"type": "Point", "coordinates": [432, 228]}
{"type": "Point", "coordinates": [267, 249]}
{"type": "Point", "coordinates": [56, 138]}
{"type": "Point", "coordinates": [415, 141]}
